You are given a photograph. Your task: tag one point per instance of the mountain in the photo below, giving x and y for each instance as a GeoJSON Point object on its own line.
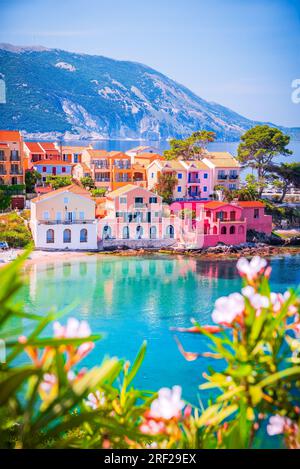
{"type": "Point", "coordinates": [51, 92]}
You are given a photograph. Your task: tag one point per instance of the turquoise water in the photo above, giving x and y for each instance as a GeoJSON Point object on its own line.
{"type": "Point", "coordinates": [132, 299]}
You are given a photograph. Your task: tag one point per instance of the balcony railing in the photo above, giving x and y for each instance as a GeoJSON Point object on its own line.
{"type": "Point", "coordinates": [222, 176]}
{"type": "Point", "coordinates": [17, 172]}
{"type": "Point", "coordinates": [233, 176]}
{"type": "Point", "coordinates": [3, 171]}
{"type": "Point", "coordinates": [65, 222]}
{"type": "Point", "coordinates": [102, 179]}
{"type": "Point", "coordinates": [122, 166]}
{"type": "Point", "coordinates": [140, 205]}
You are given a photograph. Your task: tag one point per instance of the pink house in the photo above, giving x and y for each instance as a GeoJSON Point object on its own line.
{"type": "Point", "coordinates": [254, 212]}
{"type": "Point", "coordinates": [135, 213]}
{"type": "Point", "coordinates": [221, 222]}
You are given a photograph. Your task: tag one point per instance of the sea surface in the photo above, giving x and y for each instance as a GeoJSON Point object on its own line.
{"type": "Point", "coordinates": [134, 299]}
{"type": "Point", "coordinates": [124, 145]}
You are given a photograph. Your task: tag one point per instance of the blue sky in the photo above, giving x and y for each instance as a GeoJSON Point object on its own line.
{"type": "Point", "coordinates": [242, 54]}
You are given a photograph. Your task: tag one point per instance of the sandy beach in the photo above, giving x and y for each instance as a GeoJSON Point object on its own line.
{"type": "Point", "coordinates": [39, 256]}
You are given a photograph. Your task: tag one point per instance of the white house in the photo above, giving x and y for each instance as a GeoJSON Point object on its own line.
{"type": "Point", "coordinates": [64, 219]}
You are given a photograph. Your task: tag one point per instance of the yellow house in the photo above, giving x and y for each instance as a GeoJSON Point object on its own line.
{"type": "Point", "coordinates": [225, 169]}
{"type": "Point", "coordinates": [64, 219]}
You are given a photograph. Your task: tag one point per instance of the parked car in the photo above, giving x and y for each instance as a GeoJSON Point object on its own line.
{"type": "Point", "coordinates": [3, 245]}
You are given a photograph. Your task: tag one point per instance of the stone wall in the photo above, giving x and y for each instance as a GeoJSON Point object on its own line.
{"type": "Point", "coordinates": [135, 243]}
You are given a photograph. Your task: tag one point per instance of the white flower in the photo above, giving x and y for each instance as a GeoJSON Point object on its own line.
{"type": "Point", "coordinates": [168, 404]}
{"type": "Point", "coordinates": [227, 308]}
{"type": "Point", "coordinates": [259, 301]}
{"type": "Point", "coordinates": [73, 328]}
{"type": "Point", "coordinates": [95, 400]}
{"type": "Point", "coordinates": [248, 291]}
{"type": "Point", "coordinates": [277, 425]}
{"type": "Point", "coordinates": [252, 268]}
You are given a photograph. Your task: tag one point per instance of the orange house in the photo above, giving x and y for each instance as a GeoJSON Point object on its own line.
{"type": "Point", "coordinates": [113, 169]}
{"type": "Point", "coordinates": [11, 157]}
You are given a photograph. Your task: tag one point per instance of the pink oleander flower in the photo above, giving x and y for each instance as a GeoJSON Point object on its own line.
{"type": "Point", "coordinates": [251, 269]}
{"type": "Point", "coordinates": [73, 329]}
{"type": "Point", "coordinates": [168, 404]}
{"type": "Point", "coordinates": [153, 427]}
{"type": "Point", "coordinates": [95, 400]}
{"type": "Point", "coordinates": [228, 308]}
{"type": "Point", "coordinates": [278, 425]}
{"type": "Point", "coordinates": [257, 301]}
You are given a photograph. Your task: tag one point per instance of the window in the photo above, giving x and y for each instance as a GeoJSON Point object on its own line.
{"type": "Point", "coordinates": [179, 175]}
{"type": "Point", "coordinates": [153, 200]}
{"type": "Point", "coordinates": [67, 236]}
{"type": "Point", "coordinates": [138, 200]}
{"type": "Point", "coordinates": [232, 215]}
{"type": "Point", "coordinates": [256, 213]}
{"type": "Point", "coordinates": [215, 230]}
{"type": "Point", "coordinates": [106, 232]}
{"type": "Point", "coordinates": [123, 200]}
{"type": "Point", "coordinates": [153, 232]}
{"type": "Point", "coordinates": [125, 232]}
{"type": "Point", "coordinates": [139, 232]}
{"type": "Point", "coordinates": [205, 189]}
{"type": "Point", "coordinates": [63, 169]}
{"type": "Point", "coordinates": [46, 215]}
{"type": "Point", "coordinates": [223, 230]}
{"type": "Point", "coordinates": [241, 230]}
{"type": "Point", "coordinates": [232, 230]}
{"type": "Point", "coordinates": [170, 231]}
{"type": "Point", "coordinates": [49, 236]}
{"type": "Point", "coordinates": [44, 169]}
{"type": "Point", "coordinates": [58, 216]}
{"type": "Point", "coordinates": [83, 235]}
{"type": "Point", "coordinates": [152, 175]}
{"type": "Point", "coordinates": [81, 215]}
{"type": "Point", "coordinates": [178, 189]}
{"type": "Point", "coordinates": [205, 175]}
{"type": "Point", "coordinates": [66, 200]}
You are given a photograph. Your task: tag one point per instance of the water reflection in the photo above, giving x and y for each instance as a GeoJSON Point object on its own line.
{"type": "Point", "coordinates": [137, 298]}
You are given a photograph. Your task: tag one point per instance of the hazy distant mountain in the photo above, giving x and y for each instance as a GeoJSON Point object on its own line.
{"type": "Point", "coordinates": [52, 92]}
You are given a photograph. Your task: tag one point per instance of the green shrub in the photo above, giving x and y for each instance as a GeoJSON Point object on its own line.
{"type": "Point", "coordinates": [14, 231]}
{"type": "Point", "coordinates": [99, 192]}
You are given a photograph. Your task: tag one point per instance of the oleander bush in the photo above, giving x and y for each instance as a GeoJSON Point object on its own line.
{"type": "Point", "coordinates": [49, 401]}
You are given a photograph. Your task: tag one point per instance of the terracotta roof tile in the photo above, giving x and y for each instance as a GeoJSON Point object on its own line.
{"type": "Point", "coordinates": [10, 136]}
{"type": "Point", "coordinates": [250, 203]}
{"type": "Point", "coordinates": [52, 163]}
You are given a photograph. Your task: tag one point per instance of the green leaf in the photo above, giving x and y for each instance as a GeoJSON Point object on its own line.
{"type": "Point", "coordinates": [279, 375]}
{"type": "Point", "coordinates": [137, 363]}
{"type": "Point", "coordinates": [14, 380]}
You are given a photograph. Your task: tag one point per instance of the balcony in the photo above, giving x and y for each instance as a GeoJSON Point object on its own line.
{"type": "Point", "coordinates": [102, 179]}
{"type": "Point", "coordinates": [233, 176]}
{"type": "Point", "coordinates": [101, 166]}
{"type": "Point", "coordinates": [66, 222]}
{"type": "Point", "coordinates": [3, 171]}
{"type": "Point", "coordinates": [222, 177]}
{"type": "Point", "coordinates": [15, 157]}
{"type": "Point", "coordinates": [140, 205]}
{"type": "Point", "coordinates": [122, 166]}
{"type": "Point", "coordinates": [16, 172]}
